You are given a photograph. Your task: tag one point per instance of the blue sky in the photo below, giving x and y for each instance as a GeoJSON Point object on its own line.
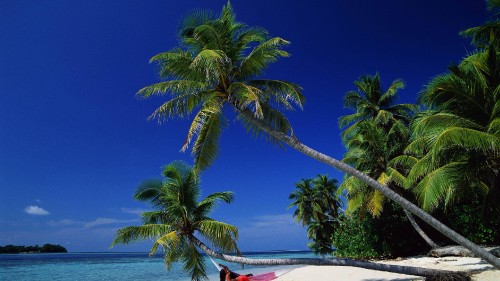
{"type": "Point", "coordinates": [75, 142]}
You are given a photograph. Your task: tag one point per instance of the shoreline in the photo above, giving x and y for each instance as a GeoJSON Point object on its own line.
{"type": "Point", "coordinates": [483, 271]}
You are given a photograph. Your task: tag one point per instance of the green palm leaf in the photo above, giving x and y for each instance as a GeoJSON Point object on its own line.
{"type": "Point", "coordinates": [261, 56]}
{"type": "Point", "coordinates": [466, 139]}
{"type": "Point", "coordinates": [133, 233]}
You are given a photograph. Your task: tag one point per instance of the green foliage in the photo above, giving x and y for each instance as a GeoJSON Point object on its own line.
{"type": "Point", "coordinates": [378, 132]}
{"type": "Point", "coordinates": [217, 64]}
{"type": "Point", "coordinates": [390, 235]}
{"type": "Point", "coordinates": [468, 219]}
{"type": "Point", "coordinates": [178, 216]}
{"type": "Point", "coordinates": [317, 206]}
{"type": "Point", "coordinates": [354, 238]}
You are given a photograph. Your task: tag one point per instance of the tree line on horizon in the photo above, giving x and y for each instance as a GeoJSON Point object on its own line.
{"type": "Point", "coordinates": [46, 248]}
{"type": "Point", "coordinates": [442, 154]}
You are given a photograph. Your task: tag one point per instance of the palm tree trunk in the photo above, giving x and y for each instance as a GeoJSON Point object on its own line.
{"type": "Point", "coordinates": [405, 204]}
{"type": "Point", "coordinates": [408, 270]}
{"type": "Point", "coordinates": [419, 230]}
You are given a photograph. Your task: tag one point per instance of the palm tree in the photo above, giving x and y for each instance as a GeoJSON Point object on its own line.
{"type": "Point", "coordinates": [178, 219]}
{"type": "Point", "coordinates": [212, 68]}
{"type": "Point", "coordinates": [458, 140]}
{"type": "Point", "coordinates": [178, 216]}
{"type": "Point", "coordinates": [303, 201]}
{"type": "Point", "coordinates": [371, 102]}
{"type": "Point", "coordinates": [378, 153]}
{"type": "Point", "coordinates": [317, 206]}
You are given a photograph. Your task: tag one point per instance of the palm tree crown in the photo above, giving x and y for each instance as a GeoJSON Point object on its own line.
{"type": "Point", "coordinates": [371, 103]}
{"type": "Point", "coordinates": [178, 216]}
{"type": "Point", "coordinates": [214, 66]}
{"type": "Point", "coordinates": [458, 140]}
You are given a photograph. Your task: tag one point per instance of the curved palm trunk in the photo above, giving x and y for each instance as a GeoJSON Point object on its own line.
{"type": "Point", "coordinates": [405, 204]}
{"type": "Point", "coordinates": [419, 230]}
{"type": "Point", "coordinates": [408, 270]}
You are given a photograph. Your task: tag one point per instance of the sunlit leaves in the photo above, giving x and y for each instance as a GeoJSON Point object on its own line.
{"type": "Point", "coordinates": [178, 216]}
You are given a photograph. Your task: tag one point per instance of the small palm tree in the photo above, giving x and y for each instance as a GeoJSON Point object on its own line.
{"type": "Point", "coordinates": [371, 102]}
{"type": "Point", "coordinates": [177, 217]}
{"type": "Point", "coordinates": [317, 206]}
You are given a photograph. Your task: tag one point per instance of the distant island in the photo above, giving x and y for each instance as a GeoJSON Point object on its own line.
{"type": "Point", "coordinates": [47, 248]}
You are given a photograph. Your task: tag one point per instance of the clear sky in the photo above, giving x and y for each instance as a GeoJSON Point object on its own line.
{"type": "Point", "coordinates": [75, 142]}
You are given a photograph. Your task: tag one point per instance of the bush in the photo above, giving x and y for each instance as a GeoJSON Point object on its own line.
{"type": "Point", "coordinates": [354, 238]}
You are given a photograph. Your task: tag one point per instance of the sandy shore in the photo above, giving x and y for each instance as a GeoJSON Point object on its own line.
{"type": "Point", "coordinates": [329, 273]}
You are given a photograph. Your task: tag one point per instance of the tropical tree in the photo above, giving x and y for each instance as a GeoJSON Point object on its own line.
{"type": "Point", "coordinates": [376, 133]}
{"type": "Point", "coordinates": [457, 141]}
{"type": "Point", "coordinates": [371, 102]}
{"type": "Point", "coordinates": [178, 218]}
{"type": "Point", "coordinates": [371, 151]}
{"type": "Point", "coordinates": [213, 68]}
{"type": "Point", "coordinates": [375, 138]}
{"type": "Point", "coordinates": [317, 206]}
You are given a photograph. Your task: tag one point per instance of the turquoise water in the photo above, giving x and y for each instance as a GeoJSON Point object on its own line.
{"type": "Point", "coordinates": [114, 266]}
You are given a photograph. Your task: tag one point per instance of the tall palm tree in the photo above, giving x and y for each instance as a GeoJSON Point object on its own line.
{"type": "Point", "coordinates": [178, 217]}
{"type": "Point", "coordinates": [213, 68]}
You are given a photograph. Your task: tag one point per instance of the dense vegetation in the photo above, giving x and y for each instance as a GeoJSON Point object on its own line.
{"type": "Point", "coordinates": [47, 248]}
{"type": "Point", "coordinates": [445, 158]}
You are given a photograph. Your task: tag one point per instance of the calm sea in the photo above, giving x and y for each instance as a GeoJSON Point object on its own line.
{"type": "Point", "coordinates": [115, 266]}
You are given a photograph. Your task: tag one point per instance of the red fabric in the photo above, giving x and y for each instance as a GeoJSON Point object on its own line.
{"type": "Point", "coordinates": [263, 277]}
{"type": "Point", "coordinates": [242, 278]}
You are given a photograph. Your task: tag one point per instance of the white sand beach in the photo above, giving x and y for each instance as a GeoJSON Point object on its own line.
{"type": "Point", "coordinates": [329, 273]}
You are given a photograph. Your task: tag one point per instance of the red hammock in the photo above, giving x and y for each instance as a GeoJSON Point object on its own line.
{"type": "Point", "coordinates": [263, 277]}
{"type": "Point", "coordinates": [260, 277]}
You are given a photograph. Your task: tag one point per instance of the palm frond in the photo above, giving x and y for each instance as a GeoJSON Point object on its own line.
{"type": "Point", "coordinates": [466, 140]}
{"type": "Point", "coordinates": [220, 235]}
{"type": "Point", "coordinates": [439, 185]}
{"type": "Point", "coordinates": [247, 97]}
{"type": "Point", "coordinates": [133, 233]}
{"type": "Point", "coordinates": [169, 242]}
{"type": "Point", "coordinates": [282, 92]}
{"type": "Point", "coordinates": [206, 145]}
{"type": "Point", "coordinates": [175, 64]}
{"type": "Point", "coordinates": [173, 86]}
{"type": "Point", "coordinates": [149, 190]}
{"type": "Point", "coordinates": [194, 263]}
{"type": "Point", "coordinates": [208, 203]}
{"type": "Point", "coordinates": [180, 106]}
{"type": "Point", "coordinates": [214, 63]}
{"type": "Point", "coordinates": [376, 203]}
{"type": "Point", "coordinates": [261, 56]}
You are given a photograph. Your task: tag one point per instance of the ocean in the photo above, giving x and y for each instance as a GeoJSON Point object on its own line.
{"type": "Point", "coordinates": [117, 266]}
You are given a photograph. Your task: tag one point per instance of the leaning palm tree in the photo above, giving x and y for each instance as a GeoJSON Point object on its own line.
{"type": "Point", "coordinates": [213, 67]}
{"type": "Point", "coordinates": [178, 218]}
